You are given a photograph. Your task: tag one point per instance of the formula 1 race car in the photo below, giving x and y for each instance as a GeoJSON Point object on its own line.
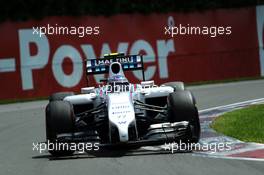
{"type": "Point", "coordinates": [120, 113]}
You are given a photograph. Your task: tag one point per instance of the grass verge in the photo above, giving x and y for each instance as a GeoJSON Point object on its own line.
{"type": "Point", "coordinates": [244, 124]}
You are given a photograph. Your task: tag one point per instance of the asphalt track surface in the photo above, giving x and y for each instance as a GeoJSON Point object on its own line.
{"type": "Point", "coordinates": [22, 124]}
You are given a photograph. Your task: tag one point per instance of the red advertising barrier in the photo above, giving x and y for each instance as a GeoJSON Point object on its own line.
{"type": "Point", "coordinates": [38, 58]}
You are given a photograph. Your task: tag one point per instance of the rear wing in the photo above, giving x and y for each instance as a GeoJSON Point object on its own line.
{"type": "Point", "coordinates": [128, 62]}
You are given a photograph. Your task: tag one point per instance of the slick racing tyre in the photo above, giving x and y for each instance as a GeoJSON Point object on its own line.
{"type": "Point", "coordinates": [59, 96]}
{"type": "Point", "coordinates": [176, 85]}
{"type": "Point", "coordinates": [59, 119]}
{"type": "Point", "coordinates": [181, 107]}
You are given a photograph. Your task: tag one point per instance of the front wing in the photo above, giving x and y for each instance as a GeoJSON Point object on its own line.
{"type": "Point", "coordinates": [157, 134]}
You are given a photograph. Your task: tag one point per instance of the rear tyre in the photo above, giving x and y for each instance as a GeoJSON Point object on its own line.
{"type": "Point", "coordinates": [59, 119]}
{"type": "Point", "coordinates": [59, 96]}
{"type": "Point", "coordinates": [176, 85]}
{"type": "Point", "coordinates": [182, 108]}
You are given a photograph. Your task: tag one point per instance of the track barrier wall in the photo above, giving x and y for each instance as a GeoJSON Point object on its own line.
{"type": "Point", "coordinates": [191, 47]}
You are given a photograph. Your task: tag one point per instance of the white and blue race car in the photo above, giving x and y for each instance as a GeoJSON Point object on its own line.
{"type": "Point", "coordinates": [120, 113]}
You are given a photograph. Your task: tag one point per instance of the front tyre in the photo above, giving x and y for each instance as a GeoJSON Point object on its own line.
{"type": "Point", "coordinates": [59, 119]}
{"type": "Point", "coordinates": [181, 107]}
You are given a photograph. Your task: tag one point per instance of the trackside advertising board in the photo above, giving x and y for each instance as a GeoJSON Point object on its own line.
{"type": "Point", "coordinates": [38, 58]}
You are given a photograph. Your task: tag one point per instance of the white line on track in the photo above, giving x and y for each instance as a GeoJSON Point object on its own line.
{"type": "Point", "coordinates": [231, 158]}
{"type": "Point", "coordinates": [233, 104]}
